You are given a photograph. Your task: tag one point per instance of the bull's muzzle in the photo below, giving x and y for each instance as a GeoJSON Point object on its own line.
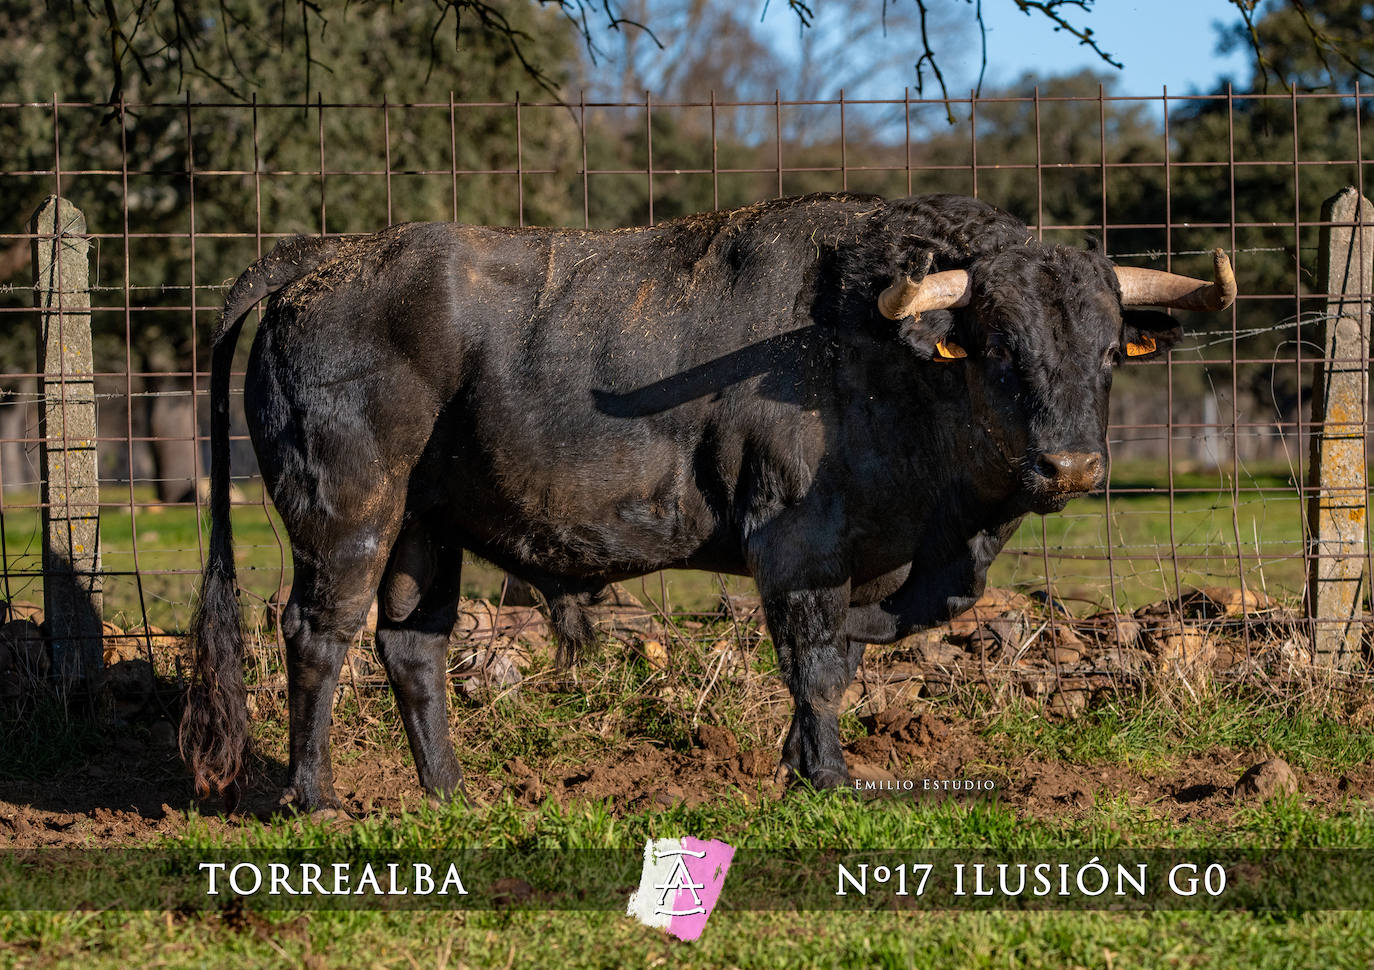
{"type": "Point", "coordinates": [1070, 471]}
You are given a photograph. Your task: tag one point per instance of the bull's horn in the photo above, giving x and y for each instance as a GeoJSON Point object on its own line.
{"type": "Point", "coordinates": [1151, 287]}
{"type": "Point", "coordinates": [938, 291]}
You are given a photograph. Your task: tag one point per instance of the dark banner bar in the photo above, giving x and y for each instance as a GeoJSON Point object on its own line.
{"type": "Point", "coordinates": [1287, 880]}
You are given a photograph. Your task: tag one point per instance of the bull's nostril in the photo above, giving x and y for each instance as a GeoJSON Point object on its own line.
{"type": "Point", "coordinates": [1071, 471]}
{"type": "Point", "coordinates": [1051, 466]}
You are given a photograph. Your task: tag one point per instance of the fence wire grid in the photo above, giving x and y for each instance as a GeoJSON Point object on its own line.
{"type": "Point", "coordinates": [1210, 446]}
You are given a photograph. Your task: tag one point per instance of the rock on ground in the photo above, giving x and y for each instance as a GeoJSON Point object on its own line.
{"type": "Point", "coordinates": [1266, 780]}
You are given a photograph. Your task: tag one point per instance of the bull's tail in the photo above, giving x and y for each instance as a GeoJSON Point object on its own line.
{"type": "Point", "coordinates": [214, 725]}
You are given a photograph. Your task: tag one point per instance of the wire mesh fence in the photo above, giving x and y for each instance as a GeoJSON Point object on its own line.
{"type": "Point", "coordinates": [1210, 447]}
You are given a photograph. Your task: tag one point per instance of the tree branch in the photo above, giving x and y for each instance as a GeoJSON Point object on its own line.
{"type": "Point", "coordinates": [1050, 9]}
{"type": "Point", "coordinates": [1322, 42]}
{"type": "Point", "coordinates": [928, 57]}
{"type": "Point", "coordinates": [983, 38]}
{"type": "Point", "coordinates": [1247, 16]}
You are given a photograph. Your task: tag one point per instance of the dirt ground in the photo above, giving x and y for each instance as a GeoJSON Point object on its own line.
{"type": "Point", "coordinates": [135, 791]}
{"type": "Point", "coordinates": [128, 786]}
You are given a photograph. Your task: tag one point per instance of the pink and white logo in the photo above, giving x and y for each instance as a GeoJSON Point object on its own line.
{"type": "Point", "coordinates": [680, 884]}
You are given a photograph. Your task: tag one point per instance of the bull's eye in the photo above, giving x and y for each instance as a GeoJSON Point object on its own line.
{"type": "Point", "coordinates": [1000, 366]}
{"type": "Point", "coordinates": [1112, 358]}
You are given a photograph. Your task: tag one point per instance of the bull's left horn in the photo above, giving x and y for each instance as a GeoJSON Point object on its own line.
{"type": "Point", "coordinates": [938, 291]}
{"type": "Point", "coordinates": [1151, 287]}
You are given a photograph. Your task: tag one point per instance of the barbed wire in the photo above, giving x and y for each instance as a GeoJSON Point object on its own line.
{"type": "Point", "coordinates": [1287, 323]}
{"type": "Point", "coordinates": [1161, 253]}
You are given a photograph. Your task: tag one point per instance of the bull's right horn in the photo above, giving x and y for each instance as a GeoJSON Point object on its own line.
{"type": "Point", "coordinates": [937, 291]}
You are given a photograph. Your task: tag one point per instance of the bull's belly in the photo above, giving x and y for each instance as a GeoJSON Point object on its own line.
{"type": "Point", "coordinates": [616, 540]}
{"type": "Point", "coordinates": [582, 507]}
{"type": "Point", "coordinates": [586, 555]}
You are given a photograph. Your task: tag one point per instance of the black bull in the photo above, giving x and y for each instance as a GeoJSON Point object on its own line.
{"type": "Point", "coordinates": [722, 392]}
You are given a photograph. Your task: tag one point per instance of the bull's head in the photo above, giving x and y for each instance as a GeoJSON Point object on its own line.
{"type": "Point", "coordinates": [1039, 333]}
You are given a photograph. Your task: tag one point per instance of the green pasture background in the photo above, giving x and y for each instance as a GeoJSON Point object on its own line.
{"type": "Point", "coordinates": [1115, 548]}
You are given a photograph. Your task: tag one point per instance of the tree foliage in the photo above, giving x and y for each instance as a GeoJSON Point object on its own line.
{"type": "Point", "coordinates": [162, 140]}
{"type": "Point", "coordinates": [139, 39]}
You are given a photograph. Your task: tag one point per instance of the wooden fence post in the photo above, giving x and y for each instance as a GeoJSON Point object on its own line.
{"type": "Point", "coordinates": [72, 581]}
{"type": "Point", "coordinates": [1337, 501]}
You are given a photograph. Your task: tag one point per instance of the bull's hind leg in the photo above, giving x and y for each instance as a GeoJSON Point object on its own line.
{"type": "Point", "coordinates": [335, 580]}
{"type": "Point", "coordinates": [419, 605]}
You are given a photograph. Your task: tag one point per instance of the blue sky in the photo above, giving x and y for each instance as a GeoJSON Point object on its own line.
{"type": "Point", "coordinates": [1159, 42]}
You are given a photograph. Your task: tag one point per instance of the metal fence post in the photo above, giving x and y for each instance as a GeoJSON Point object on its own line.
{"type": "Point", "coordinates": [72, 581]}
{"type": "Point", "coordinates": [1337, 501]}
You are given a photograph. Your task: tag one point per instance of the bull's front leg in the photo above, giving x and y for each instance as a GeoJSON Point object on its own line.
{"type": "Point", "coordinates": [814, 658]}
{"type": "Point", "coordinates": [791, 748]}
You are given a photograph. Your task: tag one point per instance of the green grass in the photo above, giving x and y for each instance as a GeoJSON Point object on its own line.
{"type": "Point", "coordinates": [774, 938]}
{"type": "Point", "coordinates": [1206, 522]}
{"type": "Point", "coordinates": [1053, 941]}
{"type": "Point", "coordinates": [801, 821]}
{"type": "Point", "coordinates": [1151, 732]}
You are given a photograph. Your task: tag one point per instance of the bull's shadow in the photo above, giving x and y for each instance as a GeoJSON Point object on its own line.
{"type": "Point", "coordinates": [65, 762]}
{"type": "Point", "coordinates": [790, 364]}
{"type": "Point", "coordinates": [61, 748]}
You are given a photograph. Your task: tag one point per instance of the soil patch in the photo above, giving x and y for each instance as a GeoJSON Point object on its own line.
{"type": "Point", "coordinates": [130, 792]}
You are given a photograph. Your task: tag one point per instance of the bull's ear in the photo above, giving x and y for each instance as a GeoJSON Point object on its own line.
{"type": "Point", "coordinates": [931, 336]}
{"type": "Point", "coordinates": [1147, 333]}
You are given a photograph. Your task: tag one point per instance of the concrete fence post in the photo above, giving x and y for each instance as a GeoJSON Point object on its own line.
{"type": "Point", "coordinates": [72, 581]}
{"type": "Point", "coordinates": [1337, 499]}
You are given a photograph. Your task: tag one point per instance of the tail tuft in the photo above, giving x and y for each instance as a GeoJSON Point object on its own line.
{"type": "Point", "coordinates": [571, 617]}
{"type": "Point", "coordinates": [214, 726]}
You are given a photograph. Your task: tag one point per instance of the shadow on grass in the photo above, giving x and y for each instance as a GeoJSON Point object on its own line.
{"type": "Point", "coordinates": [72, 752]}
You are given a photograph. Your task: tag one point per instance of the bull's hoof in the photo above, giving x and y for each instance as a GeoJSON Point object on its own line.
{"type": "Point", "coordinates": [826, 778]}
{"type": "Point", "coordinates": [318, 805]}
{"type": "Point", "coordinates": [821, 779]}
{"type": "Point", "coordinates": [785, 775]}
